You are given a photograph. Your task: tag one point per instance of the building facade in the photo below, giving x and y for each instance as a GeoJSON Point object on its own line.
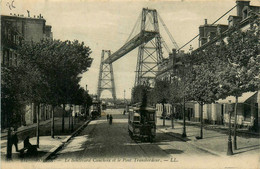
{"type": "Point", "coordinates": [216, 113]}
{"type": "Point", "coordinates": [14, 30]}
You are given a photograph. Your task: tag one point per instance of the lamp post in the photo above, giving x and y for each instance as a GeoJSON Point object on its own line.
{"type": "Point", "coordinates": [184, 123]}
{"type": "Point", "coordinates": [230, 109]}
{"type": "Point", "coordinates": [182, 67]}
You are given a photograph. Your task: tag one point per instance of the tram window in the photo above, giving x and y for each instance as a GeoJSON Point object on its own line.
{"type": "Point", "coordinates": [136, 118]}
{"type": "Point", "coordinates": [151, 118]}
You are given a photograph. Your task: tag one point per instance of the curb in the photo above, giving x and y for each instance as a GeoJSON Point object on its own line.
{"type": "Point", "coordinates": [54, 150]}
{"type": "Point", "coordinates": [190, 142]}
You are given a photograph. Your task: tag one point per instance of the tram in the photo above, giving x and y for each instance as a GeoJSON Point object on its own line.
{"type": "Point", "coordinates": [95, 109]}
{"type": "Point", "coordinates": [141, 123]}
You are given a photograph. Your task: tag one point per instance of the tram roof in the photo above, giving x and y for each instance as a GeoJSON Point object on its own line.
{"type": "Point", "coordinates": [136, 114]}
{"type": "Point", "coordinates": [144, 108]}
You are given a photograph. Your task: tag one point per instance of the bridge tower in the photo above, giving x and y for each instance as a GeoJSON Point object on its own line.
{"type": "Point", "coordinates": [149, 53]}
{"type": "Point", "coordinates": [106, 76]}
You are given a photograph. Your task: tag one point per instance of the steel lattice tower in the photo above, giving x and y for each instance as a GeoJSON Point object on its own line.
{"type": "Point", "coordinates": [106, 76]}
{"type": "Point", "coordinates": [150, 53]}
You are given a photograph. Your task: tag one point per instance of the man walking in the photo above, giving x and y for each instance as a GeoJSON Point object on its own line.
{"type": "Point", "coordinates": [14, 139]}
{"type": "Point", "coordinates": [110, 119]}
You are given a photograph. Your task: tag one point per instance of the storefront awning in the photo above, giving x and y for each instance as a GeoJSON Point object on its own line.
{"type": "Point", "coordinates": [241, 99]}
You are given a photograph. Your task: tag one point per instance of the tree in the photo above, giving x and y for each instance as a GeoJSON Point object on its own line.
{"type": "Point", "coordinates": [203, 83]}
{"type": "Point", "coordinates": [140, 94]}
{"type": "Point", "coordinates": [161, 94]}
{"type": "Point", "coordinates": [11, 101]}
{"type": "Point", "coordinates": [179, 85]}
{"type": "Point", "coordinates": [59, 64]}
{"type": "Point", "coordinates": [241, 71]}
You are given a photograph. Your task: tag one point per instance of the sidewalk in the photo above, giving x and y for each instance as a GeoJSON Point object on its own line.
{"type": "Point", "coordinates": [213, 141]}
{"type": "Point", "coordinates": [47, 145]}
{"type": "Point", "coordinates": [24, 128]}
{"type": "Point", "coordinates": [222, 128]}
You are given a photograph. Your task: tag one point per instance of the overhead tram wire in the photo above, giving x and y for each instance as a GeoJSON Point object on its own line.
{"type": "Point", "coordinates": [210, 25]}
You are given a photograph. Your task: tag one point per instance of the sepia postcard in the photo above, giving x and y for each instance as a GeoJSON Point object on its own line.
{"type": "Point", "coordinates": [130, 84]}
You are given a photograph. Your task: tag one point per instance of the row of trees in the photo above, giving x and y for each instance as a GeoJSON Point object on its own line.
{"type": "Point", "coordinates": [229, 67]}
{"type": "Point", "coordinates": [47, 72]}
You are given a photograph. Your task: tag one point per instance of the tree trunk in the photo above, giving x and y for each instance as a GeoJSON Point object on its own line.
{"type": "Point", "coordinates": [163, 114]}
{"type": "Point", "coordinates": [72, 127]}
{"type": "Point", "coordinates": [69, 117]}
{"type": "Point", "coordinates": [172, 117]}
{"type": "Point", "coordinates": [201, 120]}
{"type": "Point", "coordinates": [52, 123]}
{"type": "Point", "coordinates": [229, 150]}
{"type": "Point", "coordinates": [62, 124]}
{"type": "Point", "coordinates": [9, 143]}
{"type": "Point", "coordinates": [184, 125]}
{"type": "Point", "coordinates": [38, 126]}
{"type": "Point", "coordinates": [235, 125]}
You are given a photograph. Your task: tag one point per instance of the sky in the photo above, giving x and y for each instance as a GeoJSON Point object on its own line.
{"type": "Point", "coordinates": [106, 25]}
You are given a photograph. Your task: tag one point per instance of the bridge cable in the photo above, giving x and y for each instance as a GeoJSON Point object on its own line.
{"type": "Point", "coordinates": [168, 32]}
{"type": "Point", "coordinates": [137, 21]}
{"type": "Point", "coordinates": [210, 25]}
{"type": "Point", "coordinates": [165, 45]}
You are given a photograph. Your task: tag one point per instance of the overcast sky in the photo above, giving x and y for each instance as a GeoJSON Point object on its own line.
{"type": "Point", "coordinates": [108, 24]}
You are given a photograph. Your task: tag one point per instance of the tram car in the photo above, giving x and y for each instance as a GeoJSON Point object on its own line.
{"type": "Point", "coordinates": [95, 109]}
{"type": "Point", "coordinates": [141, 123]}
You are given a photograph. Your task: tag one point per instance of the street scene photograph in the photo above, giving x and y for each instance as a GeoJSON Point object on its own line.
{"type": "Point", "coordinates": [119, 84]}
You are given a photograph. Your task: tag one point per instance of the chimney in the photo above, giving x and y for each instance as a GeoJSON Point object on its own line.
{"type": "Point", "coordinates": [240, 5]}
{"type": "Point", "coordinates": [206, 21]}
{"type": "Point", "coordinates": [28, 13]}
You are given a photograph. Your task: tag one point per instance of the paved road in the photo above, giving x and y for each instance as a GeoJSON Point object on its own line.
{"type": "Point", "coordinates": [103, 141]}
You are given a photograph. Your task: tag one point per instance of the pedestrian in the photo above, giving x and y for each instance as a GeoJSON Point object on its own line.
{"type": "Point", "coordinates": [32, 149]}
{"type": "Point", "coordinates": [107, 117]}
{"type": "Point", "coordinates": [110, 119]}
{"type": "Point", "coordinates": [14, 139]}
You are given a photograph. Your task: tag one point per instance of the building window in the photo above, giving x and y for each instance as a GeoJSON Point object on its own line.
{"type": "Point", "coordinates": [245, 13]}
{"type": "Point", "coordinates": [247, 111]}
{"type": "Point", "coordinates": [15, 59]}
{"type": "Point", "coordinates": [3, 58]}
{"type": "Point", "coordinates": [230, 23]}
{"type": "Point", "coordinates": [7, 57]}
{"type": "Point", "coordinates": [10, 58]}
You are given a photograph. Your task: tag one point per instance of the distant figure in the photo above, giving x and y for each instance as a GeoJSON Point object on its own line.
{"type": "Point", "coordinates": [107, 117]}
{"type": "Point", "coordinates": [124, 112]}
{"type": "Point", "coordinates": [14, 139]}
{"type": "Point", "coordinates": [110, 119]}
